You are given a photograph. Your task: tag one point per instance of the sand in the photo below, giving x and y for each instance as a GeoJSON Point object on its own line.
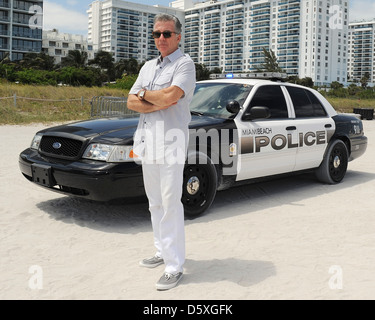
{"type": "Point", "coordinates": [293, 238]}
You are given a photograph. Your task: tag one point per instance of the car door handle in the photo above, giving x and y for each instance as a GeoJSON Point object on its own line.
{"type": "Point", "coordinates": [292, 128]}
{"type": "Point", "coordinates": [328, 126]}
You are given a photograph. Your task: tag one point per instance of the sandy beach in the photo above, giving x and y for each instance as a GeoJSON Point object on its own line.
{"type": "Point", "coordinates": [293, 238]}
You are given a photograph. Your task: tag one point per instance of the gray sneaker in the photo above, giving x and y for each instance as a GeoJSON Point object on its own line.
{"type": "Point", "coordinates": [151, 262]}
{"type": "Point", "coordinates": [168, 281]}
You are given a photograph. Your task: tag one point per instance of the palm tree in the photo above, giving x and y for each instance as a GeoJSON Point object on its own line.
{"type": "Point", "coordinates": [202, 72]}
{"type": "Point", "coordinates": [128, 66]}
{"type": "Point", "coordinates": [364, 80]}
{"type": "Point", "coordinates": [5, 58]}
{"type": "Point", "coordinates": [104, 60]}
{"type": "Point", "coordinates": [75, 58]}
{"type": "Point", "coordinates": [40, 61]}
{"type": "Point", "coordinates": [270, 62]}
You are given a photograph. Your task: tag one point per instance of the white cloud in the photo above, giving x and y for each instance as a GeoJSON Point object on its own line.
{"type": "Point", "coordinates": [362, 10]}
{"type": "Point", "coordinates": [65, 20]}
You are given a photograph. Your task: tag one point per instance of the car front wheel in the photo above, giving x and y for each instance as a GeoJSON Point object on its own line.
{"type": "Point", "coordinates": [335, 163]}
{"type": "Point", "coordinates": [199, 188]}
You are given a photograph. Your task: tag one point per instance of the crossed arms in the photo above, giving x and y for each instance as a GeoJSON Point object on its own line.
{"type": "Point", "coordinates": [155, 100]}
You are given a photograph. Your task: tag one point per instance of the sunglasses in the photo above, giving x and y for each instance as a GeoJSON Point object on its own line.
{"type": "Point", "coordinates": [166, 34]}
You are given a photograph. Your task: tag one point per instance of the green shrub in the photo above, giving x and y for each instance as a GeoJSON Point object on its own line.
{"type": "Point", "coordinates": [40, 77]}
{"type": "Point", "coordinates": [126, 82]}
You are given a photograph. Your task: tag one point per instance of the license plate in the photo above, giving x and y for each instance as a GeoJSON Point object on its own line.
{"type": "Point", "coordinates": [42, 175]}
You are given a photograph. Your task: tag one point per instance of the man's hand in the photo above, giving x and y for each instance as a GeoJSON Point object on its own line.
{"type": "Point", "coordinates": [143, 106]}
{"type": "Point", "coordinates": [164, 97]}
{"type": "Point", "coordinates": [155, 100]}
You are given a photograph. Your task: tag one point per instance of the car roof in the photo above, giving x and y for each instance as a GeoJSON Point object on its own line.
{"type": "Point", "coordinates": [251, 82]}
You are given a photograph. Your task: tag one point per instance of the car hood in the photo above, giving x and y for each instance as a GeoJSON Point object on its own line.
{"type": "Point", "coordinates": [107, 128]}
{"type": "Point", "coordinates": [115, 130]}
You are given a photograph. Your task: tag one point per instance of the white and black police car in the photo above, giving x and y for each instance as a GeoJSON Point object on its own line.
{"type": "Point", "coordinates": [243, 127]}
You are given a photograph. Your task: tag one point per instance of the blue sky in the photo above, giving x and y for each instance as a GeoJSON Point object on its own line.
{"type": "Point", "coordinates": [70, 15]}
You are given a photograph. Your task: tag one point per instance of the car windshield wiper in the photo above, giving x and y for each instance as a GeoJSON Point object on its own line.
{"type": "Point", "coordinates": [196, 113]}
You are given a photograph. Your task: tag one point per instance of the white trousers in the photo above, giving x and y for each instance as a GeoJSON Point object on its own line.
{"type": "Point", "coordinates": [163, 185]}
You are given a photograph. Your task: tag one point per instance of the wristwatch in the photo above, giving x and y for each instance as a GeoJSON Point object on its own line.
{"type": "Point", "coordinates": [141, 94]}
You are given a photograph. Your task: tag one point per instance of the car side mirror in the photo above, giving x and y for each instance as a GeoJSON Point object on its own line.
{"type": "Point", "coordinates": [257, 113]}
{"type": "Point", "coordinates": [233, 107]}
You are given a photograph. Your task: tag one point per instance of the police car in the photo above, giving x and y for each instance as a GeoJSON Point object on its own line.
{"type": "Point", "coordinates": [243, 127]}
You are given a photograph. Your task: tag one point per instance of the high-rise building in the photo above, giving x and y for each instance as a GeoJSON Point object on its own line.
{"type": "Point", "coordinates": [362, 51]}
{"type": "Point", "coordinates": [124, 28]}
{"type": "Point", "coordinates": [308, 37]}
{"type": "Point", "coordinates": [21, 24]}
{"type": "Point", "coordinates": [323, 48]}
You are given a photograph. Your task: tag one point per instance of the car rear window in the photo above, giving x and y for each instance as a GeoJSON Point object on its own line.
{"type": "Point", "coordinates": [306, 104]}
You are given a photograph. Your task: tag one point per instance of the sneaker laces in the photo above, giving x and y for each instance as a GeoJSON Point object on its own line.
{"type": "Point", "coordinates": [168, 276]}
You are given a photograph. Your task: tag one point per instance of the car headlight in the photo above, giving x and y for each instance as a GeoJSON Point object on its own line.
{"type": "Point", "coordinates": [36, 141]}
{"type": "Point", "coordinates": [109, 153]}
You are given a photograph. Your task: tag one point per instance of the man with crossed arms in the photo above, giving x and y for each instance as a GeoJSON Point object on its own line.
{"type": "Point", "coordinates": [162, 94]}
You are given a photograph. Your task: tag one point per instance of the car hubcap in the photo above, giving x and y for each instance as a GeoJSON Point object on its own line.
{"type": "Point", "coordinates": [193, 186]}
{"type": "Point", "coordinates": [336, 162]}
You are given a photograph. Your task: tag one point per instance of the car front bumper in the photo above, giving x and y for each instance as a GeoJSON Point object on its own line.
{"type": "Point", "coordinates": [92, 180]}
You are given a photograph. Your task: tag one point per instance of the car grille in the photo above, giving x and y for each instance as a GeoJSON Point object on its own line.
{"type": "Point", "coordinates": [61, 147]}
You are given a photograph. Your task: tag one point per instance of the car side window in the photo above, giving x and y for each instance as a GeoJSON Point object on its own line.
{"type": "Point", "coordinates": [306, 105]}
{"type": "Point", "coordinates": [273, 98]}
{"type": "Point", "coordinates": [319, 110]}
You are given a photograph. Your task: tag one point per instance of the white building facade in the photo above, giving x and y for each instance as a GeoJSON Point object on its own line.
{"type": "Point", "coordinates": [324, 41]}
{"type": "Point", "coordinates": [309, 37]}
{"type": "Point", "coordinates": [124, 28]}
{"type": "Point", "coordinates": [361, 51]}
{"type": "Point", "coordinates": [58, 44]}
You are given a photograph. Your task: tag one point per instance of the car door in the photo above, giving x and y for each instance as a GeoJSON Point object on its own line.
{"type": "Point", "coordinates": [313, 125]}
{"type": "Point", "coordinates": [266, 144]}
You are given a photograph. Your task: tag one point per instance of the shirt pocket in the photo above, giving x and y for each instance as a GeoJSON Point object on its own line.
{"type": "Point", "coordinates": [163, 81]}
{"type": "Point", "coordinates": [146, 84]}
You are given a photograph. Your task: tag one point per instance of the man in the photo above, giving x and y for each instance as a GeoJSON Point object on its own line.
{"type": "Point", "coordinates": [162, 94]}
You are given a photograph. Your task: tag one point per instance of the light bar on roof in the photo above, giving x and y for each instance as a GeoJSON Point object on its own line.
{"type": "Point", "coordinates": [257, 75]}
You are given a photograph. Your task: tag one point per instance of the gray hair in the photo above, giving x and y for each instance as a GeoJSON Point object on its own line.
{"type": "Point", "coordinates": [168, 17]}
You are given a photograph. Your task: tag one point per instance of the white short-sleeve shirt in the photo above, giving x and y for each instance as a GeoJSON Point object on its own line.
{"type": "Point", "coordinates": [166, 130]}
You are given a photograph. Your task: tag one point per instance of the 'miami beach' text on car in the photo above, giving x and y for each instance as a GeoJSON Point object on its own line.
{"type": "Point", "coordinates": [243, 127]}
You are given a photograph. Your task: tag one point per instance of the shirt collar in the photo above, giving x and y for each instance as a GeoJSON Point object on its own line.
{"type": "Point", "coordinates": [172, 57]}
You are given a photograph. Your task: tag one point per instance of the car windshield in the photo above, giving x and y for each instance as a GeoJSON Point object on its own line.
{"type": "Point", "coordinates": [212, 98]}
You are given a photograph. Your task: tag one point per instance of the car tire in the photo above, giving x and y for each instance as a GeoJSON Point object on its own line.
{"type": "Point", "coordinates": [335, 163]}
{"type": "Point", "coordinates": [199, 187]}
